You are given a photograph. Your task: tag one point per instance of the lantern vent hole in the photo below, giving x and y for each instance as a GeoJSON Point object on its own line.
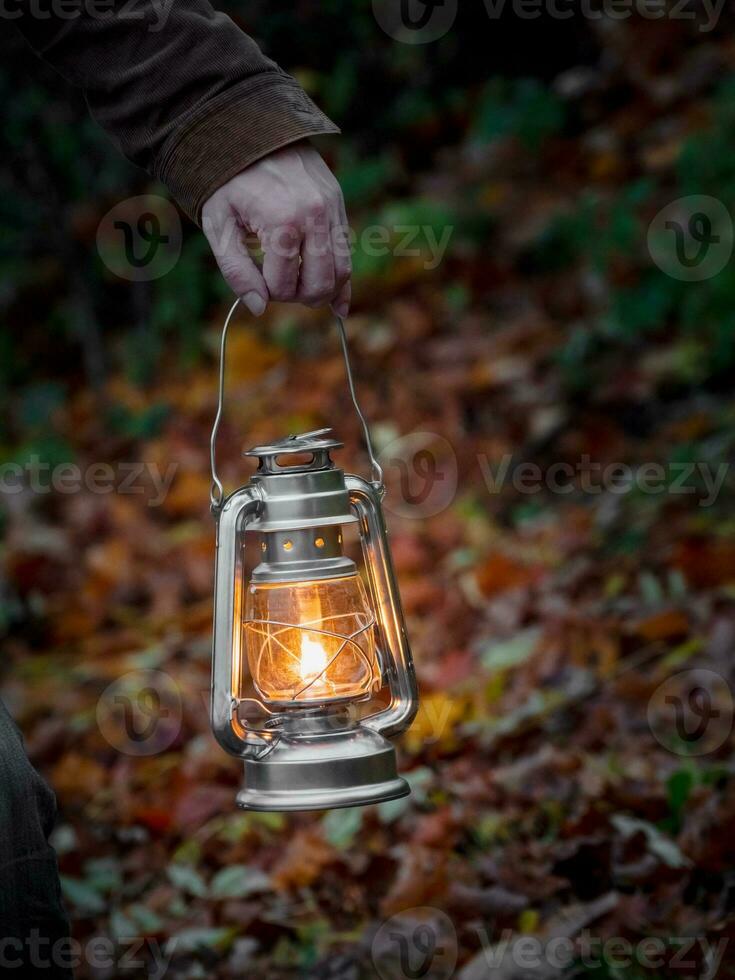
{"type": "Point", "coordinates": [294, 460]}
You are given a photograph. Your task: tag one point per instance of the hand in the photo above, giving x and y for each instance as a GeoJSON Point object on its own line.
{"type": "Point", "coordinates": [292, 202]}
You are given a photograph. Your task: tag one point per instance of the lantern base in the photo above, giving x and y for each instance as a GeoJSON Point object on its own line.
{"type": "Point", "coordinates": [352, 767]}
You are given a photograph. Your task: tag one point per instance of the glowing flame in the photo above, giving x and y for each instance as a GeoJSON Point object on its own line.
{"type": "Point", "coordinates": [313, 658]}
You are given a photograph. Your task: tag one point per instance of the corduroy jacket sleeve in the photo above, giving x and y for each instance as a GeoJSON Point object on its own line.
{"type": "Point", "coordinates": [182, 91]}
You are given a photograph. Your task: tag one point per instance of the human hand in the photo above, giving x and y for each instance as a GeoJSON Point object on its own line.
{"type": "Point", "coordinates": [292, 202]}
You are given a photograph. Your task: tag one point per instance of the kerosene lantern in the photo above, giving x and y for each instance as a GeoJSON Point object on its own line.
{"type": "Point", "coordinates": [301, 644]}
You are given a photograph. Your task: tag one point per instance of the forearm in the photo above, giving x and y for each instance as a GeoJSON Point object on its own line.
{"type": "Point", "coordinates": [182, 91]}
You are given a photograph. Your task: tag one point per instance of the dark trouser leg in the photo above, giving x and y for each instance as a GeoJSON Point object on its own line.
{"type": "Point", "coordinates": [33, 926]}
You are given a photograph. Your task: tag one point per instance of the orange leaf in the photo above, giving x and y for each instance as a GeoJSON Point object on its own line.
{"type": "Point", "coordinates": [663, 626]}
{"type": "Point", "coordinates": [78, 777]}
{"type": "Point", "coordinates": [500, 573]}
{"type": "Point", "coordinates": [303, 859]}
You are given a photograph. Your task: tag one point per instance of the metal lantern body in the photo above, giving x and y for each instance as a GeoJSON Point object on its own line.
{"type": "Point", "coordinates": [301, 644]}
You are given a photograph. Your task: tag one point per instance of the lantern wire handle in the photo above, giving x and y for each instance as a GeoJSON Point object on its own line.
{"type": "Point", "coordinates": [377, 468]}
{"type": "Point", "coordinates": [217, 493]}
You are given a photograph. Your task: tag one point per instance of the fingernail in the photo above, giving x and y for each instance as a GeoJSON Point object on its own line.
{"type": "Point", "coordinates": [254, 302]}
{"type": "Point", "coordinates": [341, 309]}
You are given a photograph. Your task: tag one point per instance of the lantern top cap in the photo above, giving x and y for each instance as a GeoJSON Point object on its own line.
{"type": "Point", "coordinates": [307, 442]}
{"type": "Point", "coordinates": [300, 493]}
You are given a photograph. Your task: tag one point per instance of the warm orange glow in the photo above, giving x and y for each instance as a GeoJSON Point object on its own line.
{"type": "Point", "coordinates": [313, 659]}
{"type": "Point", "coordinates": [311, 641]}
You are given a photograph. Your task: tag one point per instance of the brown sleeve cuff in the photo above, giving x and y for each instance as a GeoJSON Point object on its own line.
{"type": "Point", "coordinates": [233, 130]}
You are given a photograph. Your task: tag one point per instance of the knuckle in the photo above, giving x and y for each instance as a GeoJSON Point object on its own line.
{"type": "Point", "coordinates": [283, 242]}
{"type": "Point", "coordinates": [283, 223]}
{"type": "Point", "coordinates": [317, 292]}
{"type": "Point", "coordinates": [281, 292]}
{"type": "Point", "coordinates": [233, 272]}
{"type": "Point", "coordinates": [315, 207]}
{"type": "Point", "coordinates": [343, 272]}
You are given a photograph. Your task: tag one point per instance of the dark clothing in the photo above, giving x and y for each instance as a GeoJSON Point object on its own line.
{"type": "Point", "coordinates": [182, 91]}
{"type": "Point", "coordinates": [32, 918]}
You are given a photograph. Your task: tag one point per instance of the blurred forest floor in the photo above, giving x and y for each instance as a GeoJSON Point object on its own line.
{"type": "Point", "coordinates": [542, 624]}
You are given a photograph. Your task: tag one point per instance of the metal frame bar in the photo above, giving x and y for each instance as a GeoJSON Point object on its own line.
{"type": "Point", "coordinates": [401, 711]}
{"type": "Point", "coordinates": [234, 736]}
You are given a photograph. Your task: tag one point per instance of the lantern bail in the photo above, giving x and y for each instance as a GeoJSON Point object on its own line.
{"type": "Point", "coordinates": [320, 444]}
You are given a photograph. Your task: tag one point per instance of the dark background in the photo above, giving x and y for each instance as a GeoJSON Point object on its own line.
{"type": "Point", "coordinates": [543, 624]}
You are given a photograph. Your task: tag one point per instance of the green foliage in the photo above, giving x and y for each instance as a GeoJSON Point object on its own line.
{"type": "Point", "coordinates": [46, 450]}
{"type": "Point", "coordinates": [609, 234]}
{"type": "Point", "coordinates": [238, 881]}
{"type": "Point", "coordinates": [181, 298]}
{"type": "Point", "coordinates": [512, 652]}
{"type": "Point", "coordinates": [679, 787]}
{"type": "Point", "coordinates": [597, 230]}
{"type": "Point", "coordinates": [407, 229]}
{"type": "Point", "coordinates": [640, 309]}
{"type": "Point", "coordinates": [37, 403]}
{"type": "Point", "coordinates": [523, 108]}
{"type": "Point", "coordinates": [706, 164]}
{"type": "Point", "coordinates": [336, 96]}
{"type": "Point", "coordinates": [137, 425]}
{"type": "Point", "coordinates": [82, 896]}
{"type": "Point", "coordinates": [364, 179]}
{"type": "Point", "coordinates": [341, 826]}
{"type": "Point", "coordinates": [187, 879]}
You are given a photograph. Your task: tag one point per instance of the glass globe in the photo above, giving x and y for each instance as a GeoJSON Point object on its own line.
{"type": "Point", "coordinates": [311, 642]}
